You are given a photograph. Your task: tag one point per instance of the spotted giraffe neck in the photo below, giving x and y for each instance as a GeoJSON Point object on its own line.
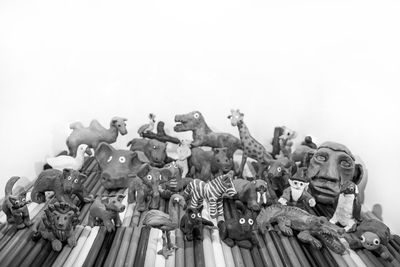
{"type": "Point", "coordinates": [243, 130]}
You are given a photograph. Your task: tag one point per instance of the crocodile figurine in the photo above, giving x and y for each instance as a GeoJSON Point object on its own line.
{"type": "Point", "coordinates": [312, 229]}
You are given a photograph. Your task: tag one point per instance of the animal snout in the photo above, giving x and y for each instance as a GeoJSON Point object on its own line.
{"type": "Point", "coordinates": [122, 208]}
{"type": "Point", "coordinates": [105, 176]}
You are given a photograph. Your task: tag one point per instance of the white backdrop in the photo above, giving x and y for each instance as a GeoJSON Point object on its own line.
{"type": "Point", "coordinates": [327, 69]}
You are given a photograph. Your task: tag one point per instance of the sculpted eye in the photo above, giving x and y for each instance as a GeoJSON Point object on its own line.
{"type": "Point", "coordinates": [196, 115]}
{"type": "Point", "coordinates": [242, 220]}
{"type": "Point", "coordinates": [23, 199]}
{"type": "Point", "coordinates": [376, 241]}
{"type": "Point", "coordinates": [193, 216]}
{"type": "Point", "coordinates": [109, 159]}
{"type": "Point", "coordinates": [345, 163]}
{"type": "Point", "coordinates": [362, 239]}
{"type": "Point", "coordinates": [167, 166]}
{"type": "Point", "coordinates": [301, 183]}
{"type": "Point", "coordinates": [199, 215]}
{"type": "Point", "coordinates": [154, 147]}
{"type": "Point", "coordinates": [251, 221]}
{"type": "Point", "coordinates": [149, 177]}
{"type": "Point", "coordinates": [76, 181]}
{"type": "Point", "coordinates": [69, 178]}
{"type": "Point", "coordinates": [122, 159]}
{"type": "Point", "coordinates": [269, 167]}
{"type": "Point", "coordinates": [279, 169]}
{"type": "Point", "coordinates": [160, 177]}
{"type": "Point", "coordinates": [320, 158]}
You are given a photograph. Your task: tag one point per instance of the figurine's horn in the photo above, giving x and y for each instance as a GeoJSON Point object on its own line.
{"type": "Point", "coordinates": [265, 197]}
{"type": "Point", "coordinates": [258, 197]}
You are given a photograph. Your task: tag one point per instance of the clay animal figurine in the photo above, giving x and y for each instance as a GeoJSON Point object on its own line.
{"type": "Point", "coordinates": [297, 193]}
{"type": "Point", "coordinates": [203, 135]}
{"type": "Point", "coordinates": [154, 150]}
{"type": "Point", "coordinates": [312, 229]}
{"type": "Point", "coordinates": [161, 135]}
{"type": "Point", "coordinates": [57, 225]}
{"type": "Point", "coordinates": [175, 182]}
{"type": "Point", "coordinates": [254, 193]}
{"type": "Point", "coordinates": [309, 142]}
{"type": "Point", "coordinates": [278, 174]}
{"type": "Point", "coordinates": [212, 191]}
{"type": "Point", "coordinates": [148, 127]}
{"type": "Point", "coordinates": [67, 162]}
{"type": "Point", "coordinates": [118, 166]}
{"type": "Point", "coordinates": [192, 223]}
{"type": "Point", "coordinates": [285, 142]}
{"type": "Point", "coordinates": [64, 184]}
{"type": "Point", "coordinates": [184, 152]}
{"type": "Point", "coordinates": [106, 210]}
{"type": "Point", "coordinates": [373, 235]}
{"type": "Point", "coordinates": [251, 147]}
{"type": "Point", "coordinates": [330, 165]}
{"type": "Point", "coordinates": [166, 222]}
{"type": "Point", "coordinates": [207, 164]}
{"type": "Point", "coordinates": [14, 206]}
{"type": "Point", "coordinates": [94, 134]}
{"type": "Point", "coordinates": [348, 208]}
{"type": "Point", "coordinates": [145, 187]}
{"type": "Point", "coordinates": [239, 230]}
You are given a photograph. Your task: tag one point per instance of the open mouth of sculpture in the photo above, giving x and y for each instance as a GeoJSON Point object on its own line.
{"type": "Point", "coordinates": [325, 189]}
{"type": "Point", "coordinates": [181, 124]}
{"type": "Point", "coordinates": [332, 241]}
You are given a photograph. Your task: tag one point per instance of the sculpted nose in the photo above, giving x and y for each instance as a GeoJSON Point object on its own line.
{"type": "Point", "coordinates": [332, 170]}
{"type": "Point", "coordinates": [105, 176]}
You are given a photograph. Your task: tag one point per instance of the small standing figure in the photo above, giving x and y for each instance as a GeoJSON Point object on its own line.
{"type": "Point", "coordinates": [14, 206]}
{"type": "Point", "coordinates": [184, 152]}
{"type": "Point", "coordinates": [348, 209]}
{"type": "Point", "coordinates": [106, 211]}
{"type": "Point", "coordinates": [297, 193]}
{"type": "Point", "coordinates": [148, 127]}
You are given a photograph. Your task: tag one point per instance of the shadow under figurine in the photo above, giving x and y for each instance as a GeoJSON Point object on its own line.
{"type": "Point", "coordinates": [15, 206]}
{"type": "Point", "coordinates": [57, 225]}
{"type": "Point", "coordinates": [192, 223]}
{"type": "Point", "coordinates": [348, 208]}
{"type": "Point", "coordinates": [373, 235]}
{"type": "Point", "coordinates": [64, 184]}
{"type": "Point", "coordinates": [239, 230]}
{"type": "Point", "coordinates": [106, 210]}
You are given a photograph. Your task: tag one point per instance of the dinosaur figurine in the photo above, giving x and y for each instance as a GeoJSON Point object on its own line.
{"type": "Point", "coordinates": [251, 147]}
{"type": "Point", "coordinates": [203, 135]}
{"type": "Point", "coordinates": [312, 229]}
{"type": "Point", "coordinates": [148, 127]}
{"type": "Point", "coordinates": [348, 209]}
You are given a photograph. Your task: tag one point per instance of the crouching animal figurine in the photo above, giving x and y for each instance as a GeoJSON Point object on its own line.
{"type": "Point", "coordinates": [239, 230]}
{"type": "Point", "coordinates": [14, 206]}
{"type": "Point", "coordinates": [348, 209]}
{"type": "Point", "coordinates": [154, 150]}
{"type": "Point", "coordinates": [64, 184]}
{"type": "Point", "coordinates": [192, 223]}
{"type": "Point", "coordinates": [57, 225]}
{"type": "Point", "coordinates": [106, 210]}
{"type": "Point", "coordinates": [373, 235]}
{"type": "Point", "coordinates": [312, 229]}
{"type": "Point", "coordinates": [278, 174]}
{"type": "Point", "coordinates": [206, 164]}
{"type": "Point", "coordinates": [254, 193]}
{"type": "Point", "coordinates": [212, 192]}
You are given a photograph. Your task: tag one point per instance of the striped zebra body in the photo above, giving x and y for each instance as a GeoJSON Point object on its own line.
{"type": "Point", "coordinates": [212, 192]}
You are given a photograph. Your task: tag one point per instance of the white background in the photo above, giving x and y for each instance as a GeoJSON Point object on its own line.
{"type": "Point", "coordinates": [326, 68]}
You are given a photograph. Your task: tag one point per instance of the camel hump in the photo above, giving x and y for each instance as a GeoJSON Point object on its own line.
{"type": "Point", "coordinates": [95, 124]}
{"type": "Point", "coordinates": [10, 185]}
{"type": "Point", "coordinates": [76, 125]}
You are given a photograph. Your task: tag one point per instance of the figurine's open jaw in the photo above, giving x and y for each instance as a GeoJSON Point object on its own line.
{"type": "Point", "coordinates": [181, 126]}
{"type": "Point", "coordinates": [325, 190]}
{"type": "Point", "coordinates": [332, 241]}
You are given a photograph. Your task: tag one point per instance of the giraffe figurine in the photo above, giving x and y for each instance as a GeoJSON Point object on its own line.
{"type": "Point", "coordinates": [251, 147]}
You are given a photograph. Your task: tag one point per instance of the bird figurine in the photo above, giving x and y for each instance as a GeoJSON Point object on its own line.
{"type": "Point", "coordinates": [67, 162]}
{"type": "Point", "coordinates": [148, 127]}
{"type": "Point", "coordinates": [166, 222]}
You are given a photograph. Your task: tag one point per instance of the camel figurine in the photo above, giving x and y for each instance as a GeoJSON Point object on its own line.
{"type": "Point", "coordinates": [94, 134]}
{"type": "Point", "coordinates": [148, 127]}
{"type": "Point", "coordinates": [62, 162]}
{"type": "Point", "coordinates": [203, 135]}
{"type": "Point", "coordinates": [251, 147]}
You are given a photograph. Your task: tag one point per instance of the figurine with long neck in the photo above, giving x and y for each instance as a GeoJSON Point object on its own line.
{"type": "Point", "coordinates": [251, 147]}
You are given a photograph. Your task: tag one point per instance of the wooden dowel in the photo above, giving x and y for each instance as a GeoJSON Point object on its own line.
{"type": "Point", "coordinates": [237, 257]}
{"type": "Point", "coordinates": [228, 257]}
{"type": "Point", "coordinates": [129, 214]}
{"type": "Point", "coordinates": [14, 246]}
{"type": "Point", "coordinates": [339, 259]}
{"type": "Point", "coordinates": [299, 252]}
{"type": "Point", "coordinates": [170, 262]}
{"type": "Point", "coordinates": [329, 257]}
{"type": "Point", "coordinates": [255, 253]}
{"type": "Point", "coordinates": [247, 259]}
{"type": "Point", "coordinates": [112, 253]}
{"type": "Point", "coordinates": [142, 247]}
{"type": "Point", "coordinates": [352, 259]}
{"type": "Point", "coordinates": [69, 262]}
{"type": "Point", "coordinates": [372, 258]}
{"type": "Point", "coordinates": [33, 253]}
{"type": "Point", "coordinates": [317, 255]}
{"type": "Point", "coordinates": [208, 251]}
{"type": "Point", "coordinates": [41, 257]}
{"type": "Point", "coordinates": [279, 247]}
{"type": "Point", "coordinates": [266, 258]}
{"type": "Point", "coordinates": [64, 253]}
{"type": "Point", "coordinates": [180, 251]}
{"type": "Point", "coordinates": [50, 259]}
{"type": "Point", "coordinates": [288, 248]}
{"type": "Point", "coordinates": [189, 253]}
{"type": "Point", "coordinates": [160, 260]}
{"type": "Point", "coordinates": [95, 248]}
{"type": "Point", "coordinates": [24, 252]}
{"type": "Point", "coordinates": [308, 255]}
{"type": "Point", "coordinates": [105, 248]}
{"type": "Point", "coordinates": [365, 259]}
{"type": "Point", "coordinates": [8, 236]}
{"type": "Point", "coordinates": [273, 252]}
{"type": "Point", "coordinates": [395, 245]}
{"type": "Point", "coordinates": [198, 254]}
{"type": "Point", "coordinates": [134, 242]}
{"type": "Point", "coordinates": [151, 252]}
{"type": "Point", "coordinates": [87, 247]}
{"type": "Point", "coordinates": [123, 248]}
{"type": "Point", "coordinates": [217, 248]}
{"type": "Point", "coordinates": [394, 253]}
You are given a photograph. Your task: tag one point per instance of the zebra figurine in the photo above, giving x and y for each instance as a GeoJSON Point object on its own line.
{"type": "Point", "coordinates": [212, 191]}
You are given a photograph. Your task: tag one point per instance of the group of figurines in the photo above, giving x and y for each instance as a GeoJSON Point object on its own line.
{"type": "Point", "coordinates": [286, 186]}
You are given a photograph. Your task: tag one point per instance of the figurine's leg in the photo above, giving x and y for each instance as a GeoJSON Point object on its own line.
{"type": "Point", "coordinates": [284, 225]}
{"type": "Point", "coordinates": [384, 253]}
{"type": "Point", "coordinates": [355, 244]}
{"type": "Point", "coordinates": [261, 168]}
{"type": "Point", "coordinates": [169, 243]}
{"type": "Point", "coordinates": [334, 219]}
{"type": "Point", "coordinates": [10, 219]}
{"type": "Point", "coordinates": [229, 242]}
{"type": "Point", "coordinates": [27, 220]}
{"type": "Point", "coordinates": [140, 200]}
{"type": "Point", "coordinates": [244, 244]}
{"type": "Point", "coordinates": [71, 240]}
{"type": "Point", "coordinates": [56, 245]}
{"type": "Point", "coordinates": [223, 232]}
{"type": "Point", "coordinates": [244, 158]}
{"type": "Point", "coordinates": [189, 236]}
{"type": "Point", "coordinates": [117, 220]}
{"type": "Point", "coordinates": [306, 237]}
{"type": "Point", "coordinates": [91, 221]}
{"type": "Point", "coordinates": [350, 226]}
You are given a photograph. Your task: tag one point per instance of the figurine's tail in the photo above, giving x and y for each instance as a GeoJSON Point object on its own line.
{"type": "Point", "coordinates": [10, 185]}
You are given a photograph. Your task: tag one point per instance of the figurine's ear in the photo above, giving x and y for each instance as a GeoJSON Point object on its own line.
{"type": "Point", "coordinates": [240, 207]}
{"type": "Point", "coordinates": [12, 199]}
{"type": "Point", "coordinates": [307, 158]}
{"type": "Point", "coordinates": [104, 200]}
{"type": "Point", "coordinates": [103, 152]}
{"type": "Point", "coordinates": [200, 208]}
{"type": "Point", "coordinates": [82, 177]}
{"type": "Point", "coordinates": [66, 172]}
{"type": "Point", "coordinates": [358, 173]}
{"type": "Point", "coordinates": [143, 170]}
{"type": "Point", "coordinates": [165, 173]}
{"type": "Point", "coordinates": [140, 156]}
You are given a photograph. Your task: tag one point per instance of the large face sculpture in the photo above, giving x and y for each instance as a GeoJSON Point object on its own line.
{"type": "Point", "coordinates": [331, 165]}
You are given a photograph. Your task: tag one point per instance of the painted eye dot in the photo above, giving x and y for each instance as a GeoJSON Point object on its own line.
{"type": "Point", "coordinates": [242, 221]}
{"type": "Point", "coordinates": [69, 178]}
{"type": "Point", "coordinates": [251, 221]}
{"type": "Point", "coordinates": [301, 184]}
{"type": "Point", "coordinates": [295, 182]}
{"type": "Point", "coordinates": [199, 215]}
{"type": "Point", "coordinates": [376, 241]}
{"type": "Point", "coordinates": [122, 159]}
{"type": "Point", "coordinates": [109, 159]}
{"type": "Point", "coordinates": [23, 199]}
{"type": "Point", "coordinates": [279, 169]}
{"type": "Point", "coordinates": [76, 181]}
{"type": "Point", "coordinates": [362, 239]}
{"type": "Point", "coordinates": [193, 216]}
{"type": "Point", "coordinates": [149, 177]}
{"type": "Point", "coordinates": [196, 115]}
